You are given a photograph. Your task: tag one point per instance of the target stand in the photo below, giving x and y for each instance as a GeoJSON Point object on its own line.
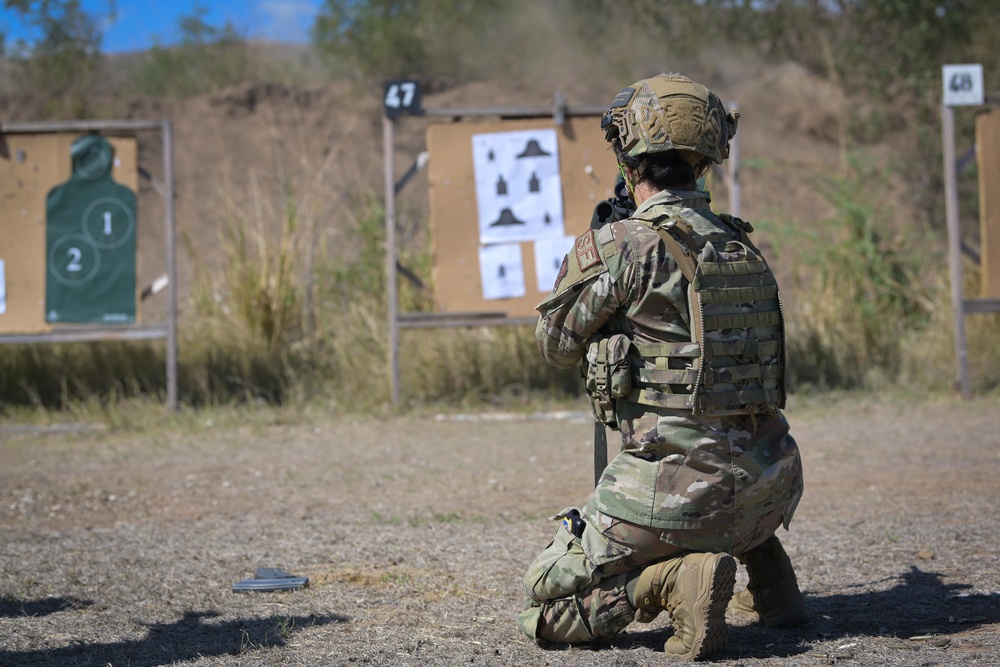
{"type": "Point", "coordinates": [69, 269]}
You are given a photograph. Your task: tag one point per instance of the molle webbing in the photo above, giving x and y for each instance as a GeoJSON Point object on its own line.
{"type": "Point", "coordinates": [735, 362]}
{"type": "Point", "coordinates": [738, 301]}
{"type": "Point", "coordinates": [710, 295]}
{"type": "Point", "coordinates": [653, 384]}
{"type": "Point", "coordinates": [742, 320]}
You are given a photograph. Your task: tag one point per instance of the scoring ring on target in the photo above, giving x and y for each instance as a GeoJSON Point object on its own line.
{"type": "Point", "coordinates": [74, 258]}
{"type": "Point", "coordinates": [129, 218]}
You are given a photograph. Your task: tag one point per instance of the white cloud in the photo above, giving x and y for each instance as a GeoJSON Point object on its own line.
{"type": "Point", "coordinates": [287, 20]}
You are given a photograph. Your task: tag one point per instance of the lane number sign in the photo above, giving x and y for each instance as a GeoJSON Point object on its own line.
{"type": "Point", "coordinates": [402, 96]}
{"type": "Point", "coordinates": [963, 85]}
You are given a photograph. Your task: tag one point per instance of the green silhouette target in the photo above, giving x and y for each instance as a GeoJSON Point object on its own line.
{"type": "Point", "coordinates": [90, 241]}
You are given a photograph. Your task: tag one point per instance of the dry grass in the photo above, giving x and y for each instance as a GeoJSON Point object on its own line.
{"type": "Point", "coordinates": [296, 312]}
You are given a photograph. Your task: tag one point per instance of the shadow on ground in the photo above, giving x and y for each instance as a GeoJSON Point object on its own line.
{"type": "Point", "coordinates": [919, 604]}
{"type": "Point", "coordinates": [167, 643]}
{"type": "Point", "coordinates": [11, 608]}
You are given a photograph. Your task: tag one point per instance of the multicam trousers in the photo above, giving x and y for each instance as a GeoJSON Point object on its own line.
{"type": "Point", "coordinates": [576, 586]}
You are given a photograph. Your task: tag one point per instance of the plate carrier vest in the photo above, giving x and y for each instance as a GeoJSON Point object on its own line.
{"type": "Point", "coordinates": [738, 363]}
{"type": "Point", "coordinates": [735, 362]}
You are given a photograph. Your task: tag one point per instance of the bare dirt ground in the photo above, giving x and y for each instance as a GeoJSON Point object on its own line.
{"type": "Point", "coordinates": [119, 546]}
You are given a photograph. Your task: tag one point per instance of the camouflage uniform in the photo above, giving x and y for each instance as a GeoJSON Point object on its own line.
{"type": "Point", "coordinates": [682, 482]}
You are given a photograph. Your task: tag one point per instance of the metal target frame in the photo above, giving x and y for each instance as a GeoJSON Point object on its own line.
{"type": "Point", "coordinates": [960, 305]}
{"type": "Point", "coordinates": [402, 97]}
{"type": "Point", "coordinates": [166, 330]}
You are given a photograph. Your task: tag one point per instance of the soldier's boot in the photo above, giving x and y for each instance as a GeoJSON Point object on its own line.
{"type": "Point", "coordinates": [772, 596]}
{"type": "Point", "coordinates": [649, 596]}
{"type": "Point", "coordinates": [695, 590]}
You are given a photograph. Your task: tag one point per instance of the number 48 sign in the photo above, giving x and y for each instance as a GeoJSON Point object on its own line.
{"type": "Point", "coordinates": [963, 85]}
{"type": "Point", "coordinates": [402, 96]}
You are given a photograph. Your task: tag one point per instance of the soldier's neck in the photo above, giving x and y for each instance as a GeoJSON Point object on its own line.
{"type": "Point", "coordinates": [644, 190]}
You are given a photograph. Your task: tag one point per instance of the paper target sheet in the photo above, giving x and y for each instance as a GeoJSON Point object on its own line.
{"type": "Point", "coordinates": [549, 255]}
{"type": "Point", "coordinates": [501, 270]}
{"type": "Point", "coordinates": [518, 186]}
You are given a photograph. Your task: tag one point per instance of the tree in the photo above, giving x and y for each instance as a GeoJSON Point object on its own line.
{"type": "Point", "coordinates": [889, 53]}
{"type": "Point", "coordinates": [385, 38]}
{"type": "Point", "coordinates": [64, 59]}
{"type": "Point", "coordinates": [207, 58]}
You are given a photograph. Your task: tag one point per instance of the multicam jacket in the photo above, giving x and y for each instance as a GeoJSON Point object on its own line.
{"type": "Point", "coordinates": [677, 470]}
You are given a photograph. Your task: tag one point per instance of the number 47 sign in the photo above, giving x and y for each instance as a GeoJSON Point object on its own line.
{"type": "Point", "coordinates": [402, 96]}
{"type": "Point", "coordinates": [963, 85]}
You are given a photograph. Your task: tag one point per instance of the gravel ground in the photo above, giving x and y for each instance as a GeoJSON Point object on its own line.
{"type": "Point", "coordinates": [119, 546]}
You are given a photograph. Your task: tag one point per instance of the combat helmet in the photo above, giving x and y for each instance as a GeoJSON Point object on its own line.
{"type": "Point", "coordinates": [671, 112]}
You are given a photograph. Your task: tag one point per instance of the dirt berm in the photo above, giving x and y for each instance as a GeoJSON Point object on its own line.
{"type": "Point", "coordinates": [237, 150]}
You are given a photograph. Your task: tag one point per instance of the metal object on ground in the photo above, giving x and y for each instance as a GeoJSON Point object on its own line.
{"type": "Point", "coordinates": [270, 579]}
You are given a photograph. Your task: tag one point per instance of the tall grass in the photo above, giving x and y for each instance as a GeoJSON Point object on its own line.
{"type": "Point", "coordinates": [869, 303]}
{"type": "Point", "coordinates": [311, 314]}
{"type": "Point", "coordinates": [62, 375]}
{"type": "Point", "coordinates": [296, 312]}
{"type": "Point", "coordinates": [867, 289]}
{"type": "Point", "coordinates": [929, 359]}
{"type": "Point", "coordinates": [481, 366]}
{"type": "Point", "coordinates": [245, 318]}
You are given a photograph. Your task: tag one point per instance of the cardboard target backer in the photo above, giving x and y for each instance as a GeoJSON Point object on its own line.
{"type": "Point", "coordinates": [504, 196]}
{"type": "Point", "coordinates": [988, 156]}
{"type": "Point", "coordinates": [31, 166]}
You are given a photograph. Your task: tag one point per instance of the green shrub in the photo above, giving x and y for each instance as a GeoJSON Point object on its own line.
{"type": "Point", "coordinates": [63, 61]}
{"type": "Point", "coordinates": [387, 38]}
{"type": "Point", "coordinates": [861, 286]}
{"type": "Point", "coordinates": [206, 59]}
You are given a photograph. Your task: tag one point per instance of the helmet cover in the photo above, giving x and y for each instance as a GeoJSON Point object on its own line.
{"type": "Point", "coordinates": [670, 112]}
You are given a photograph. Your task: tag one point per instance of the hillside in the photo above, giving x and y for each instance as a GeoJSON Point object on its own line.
{"type": "Point", "coordinates": [238, 149]}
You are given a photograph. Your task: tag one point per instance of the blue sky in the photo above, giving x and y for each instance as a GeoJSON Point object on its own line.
{"type": "Point", "coordinates": [139, 24]}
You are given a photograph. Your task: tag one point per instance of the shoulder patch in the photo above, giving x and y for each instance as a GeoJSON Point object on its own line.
{"type": "Point", "coordinates": [581, 263]}
{"type": "Point", "coordinates": [562, 272]}
{"type": "Point", "coordinates": [586, 251]}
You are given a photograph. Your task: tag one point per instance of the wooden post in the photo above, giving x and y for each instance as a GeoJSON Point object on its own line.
{"type": "Point", "coordinates": [390, 257]}
{"type": "Point", "coordinates": [169, 224]}
{"type": "Point", "coordinates": [954, 247]}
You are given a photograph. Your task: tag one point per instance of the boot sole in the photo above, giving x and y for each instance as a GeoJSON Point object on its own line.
{"type": "Point", "coordinates": [716, 579]}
